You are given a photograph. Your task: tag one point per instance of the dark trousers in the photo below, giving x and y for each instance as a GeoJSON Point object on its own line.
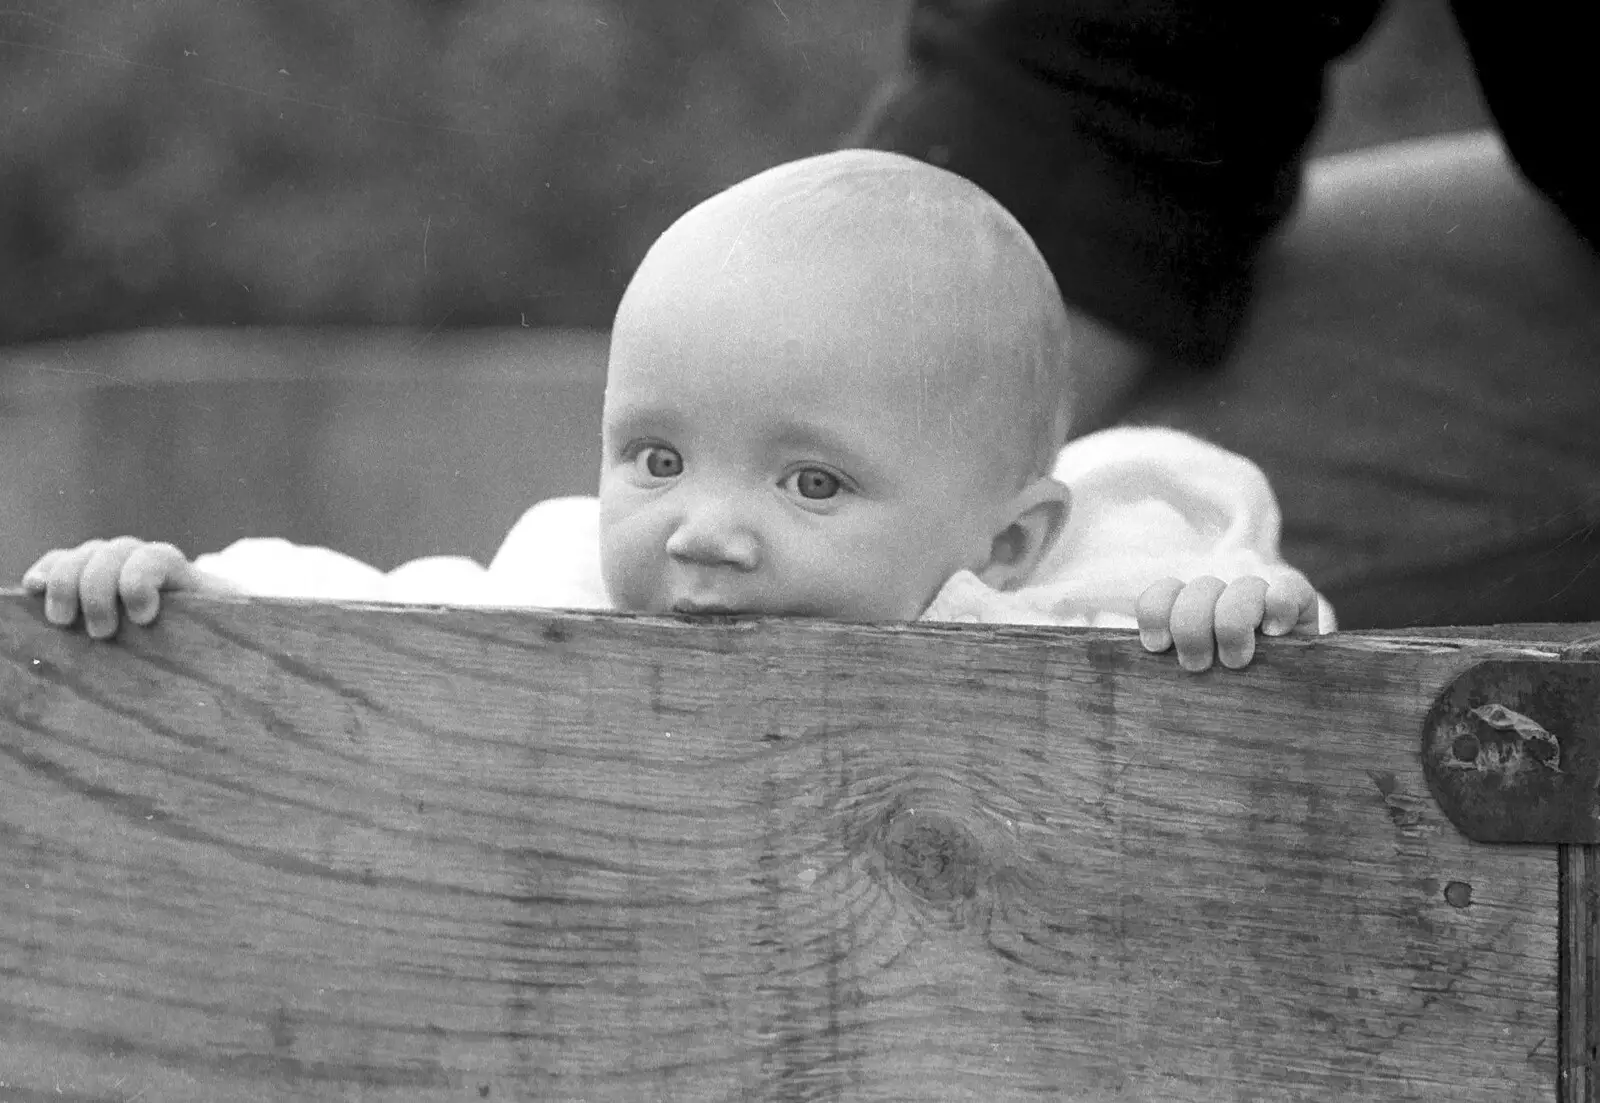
{"type": "Point", "coordinates": [1420, 379]}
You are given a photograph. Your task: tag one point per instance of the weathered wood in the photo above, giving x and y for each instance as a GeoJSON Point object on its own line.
{"type": "Point", "coordinates": [1580, 940]}
{"type": "Point", "coordinates": [269, 850]}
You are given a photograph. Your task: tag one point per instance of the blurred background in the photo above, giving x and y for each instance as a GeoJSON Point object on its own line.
{"type": "Point", "coordinates": [340, 270]}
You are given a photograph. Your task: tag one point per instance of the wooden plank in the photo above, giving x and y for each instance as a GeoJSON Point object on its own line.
{"type": "Point", "coordinates": [1580, 970]}
{"type": "Point", "coordinates": [1580, 940]}
{"type": "Point", "coordinates": [270, 850]}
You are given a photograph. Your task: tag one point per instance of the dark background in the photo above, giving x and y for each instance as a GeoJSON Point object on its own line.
{"type": "Point", "coordinates": [449, 163]}
{"type": "Point", "coordinates": [341, 271]}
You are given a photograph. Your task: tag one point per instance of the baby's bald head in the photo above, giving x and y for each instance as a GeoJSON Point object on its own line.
{"type": "Point", "coordinates": [908, 270]}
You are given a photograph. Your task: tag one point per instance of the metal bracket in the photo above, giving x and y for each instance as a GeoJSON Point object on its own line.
{"type": "Point", "coordinates": [1511, 750]}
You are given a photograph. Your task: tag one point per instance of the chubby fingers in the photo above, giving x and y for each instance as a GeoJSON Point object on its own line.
{"type": "Point", "coordinates": [1239, 613]}
{"type": "Point", "coordinates": [100, 582]}
{"type": "Point", "coordinates": [36, 579]}
{"type": "Point", "coordinates": [1291, 606]}
{"type": "Point", "coordinates": [150, 569]}
{"type": "Point", "coordinates": [1193, 621]}
{"type": "Point", "coordinates": [1154, 612]}
{"type": "Point", "coordinates": [99, 578]}
{"type": "Point", "coordinates": [56, 574]}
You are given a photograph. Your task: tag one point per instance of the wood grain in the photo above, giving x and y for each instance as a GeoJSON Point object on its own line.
{"type": "Point", "coordinates": [1580, 939]}
{"type": "Point", "coordinates": [1580, 971]}
{"type": "Point", "coordinates": [284, 851]}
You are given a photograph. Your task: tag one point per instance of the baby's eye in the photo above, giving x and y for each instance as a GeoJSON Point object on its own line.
{"type": "Point", "coordinates": [659, 462]}
{"type": "Point", "coordinates": [815, 483]}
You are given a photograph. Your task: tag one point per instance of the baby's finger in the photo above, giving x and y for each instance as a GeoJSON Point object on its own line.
{"type": "Point", "coordinates": [1154, 612]}
{"type": "Point", "coordinates": [37, 576]}
{"type": "Point", "coordinates": [61, 582]}
{"type": "Point", "coordinates": [149, 570]}
{"type": "Point", "coordinates": [1193, 622]}
{"type": "Point", "coordinates": [1238, 615]}
{"type": "Point", "coordinates": [1291, 605]}
{"type": "Point", "coordinates": [97, 586]}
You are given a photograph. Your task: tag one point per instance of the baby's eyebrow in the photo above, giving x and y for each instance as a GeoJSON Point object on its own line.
{"type": "Point", "coordinates": [649, 420]}
{"type": "Point", "coordinates": [816, 438]}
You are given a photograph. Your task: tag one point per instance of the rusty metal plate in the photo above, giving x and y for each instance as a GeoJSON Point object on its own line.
{"type": "Point", "coordinates": [1511, 750]}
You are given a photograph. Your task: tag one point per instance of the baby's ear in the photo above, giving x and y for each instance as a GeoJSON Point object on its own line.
{"type": "Point", "coordinates": [1034, 519]}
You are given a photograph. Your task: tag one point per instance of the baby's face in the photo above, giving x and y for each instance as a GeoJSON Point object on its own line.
{"type": "Point", "coordinates": [780, 446]}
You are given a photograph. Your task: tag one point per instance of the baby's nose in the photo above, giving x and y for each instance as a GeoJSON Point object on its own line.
{"type": "Point", "coordinates": [712, 534]}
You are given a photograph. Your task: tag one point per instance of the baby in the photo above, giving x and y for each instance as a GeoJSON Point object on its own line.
{"type": "Point", "coordinates": [832, 389]}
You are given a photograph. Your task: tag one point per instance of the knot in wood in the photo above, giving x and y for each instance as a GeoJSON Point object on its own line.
{"type": "Point", "coordinates": [932, 854]}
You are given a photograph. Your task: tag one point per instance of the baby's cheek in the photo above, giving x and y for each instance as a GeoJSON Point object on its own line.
{"type": "Point", "coordinates": [897, 597]}
{"type": "Point", "coordinates": [626, 565]}
{"type": "Point", "coordinates": [931, 563]}
{"type": "Point", "coordinates": [887, 577]}
{"type": "Point", "coordinates": [626, 584]}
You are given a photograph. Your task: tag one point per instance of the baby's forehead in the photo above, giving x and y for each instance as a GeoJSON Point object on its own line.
{"type": "Point", "coordinates": [866, 207]}
{"type": "Point", "coordinates": [894, 392]}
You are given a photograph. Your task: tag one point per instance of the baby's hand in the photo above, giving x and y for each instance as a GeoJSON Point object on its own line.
{"type": "Point", "coordinates": [1193, 615]}
{"type": "Point", "coordinates": [95, 576]}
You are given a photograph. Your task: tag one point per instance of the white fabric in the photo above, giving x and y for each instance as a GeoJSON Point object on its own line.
{"type": "Point", "coordinates": [1146, 503]}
